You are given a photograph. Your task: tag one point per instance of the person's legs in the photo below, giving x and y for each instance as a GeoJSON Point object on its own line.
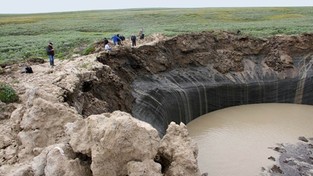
{"type": "Point", "coordinates": [51, 59]}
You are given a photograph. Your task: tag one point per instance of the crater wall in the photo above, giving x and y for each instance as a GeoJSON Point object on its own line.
{"type": "Point", "coordinates": [182, 95]}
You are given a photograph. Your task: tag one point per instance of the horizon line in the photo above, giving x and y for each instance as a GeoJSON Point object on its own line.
{"type": "Point", "coordinates": [147, 8]}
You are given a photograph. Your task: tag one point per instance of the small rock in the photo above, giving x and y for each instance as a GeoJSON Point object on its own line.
{"type": "Point", "coordinates": [271, 158]}
{"type": "Point", "coordinates": [279, 149]}
{"type": "Point", "coordinates": [276, 169]}
{"type": "Point", "coordinates": [37, 151]}
{"type": "Point", "coordinates": [302, 138]}
{"type": "Point", "coordinates": [75, 55]}
{"type": "Point", "coordinates": [8, 70]}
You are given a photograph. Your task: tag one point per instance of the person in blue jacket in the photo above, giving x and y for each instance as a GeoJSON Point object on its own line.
{"type": "Point", "coordinates": [116, 39]}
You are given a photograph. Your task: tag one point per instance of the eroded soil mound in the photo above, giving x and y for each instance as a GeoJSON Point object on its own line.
{"type": "Point", "coordinates": [224, 50]}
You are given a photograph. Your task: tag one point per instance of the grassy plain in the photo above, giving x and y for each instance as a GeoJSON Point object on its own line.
{"type": "Point", "coordinates": [26, 36]}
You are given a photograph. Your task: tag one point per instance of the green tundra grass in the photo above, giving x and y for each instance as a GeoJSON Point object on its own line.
{"type": "Point", "coordinates": [26, 36]}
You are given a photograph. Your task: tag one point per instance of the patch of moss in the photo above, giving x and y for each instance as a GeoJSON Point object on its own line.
{"type": "Point", "coordinates": [7, 93]}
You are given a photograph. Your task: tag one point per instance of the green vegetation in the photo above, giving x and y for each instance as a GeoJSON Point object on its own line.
{"type": "Point", "coordinates": [7, 93]}
{"type": "Point", "coordinates": [89, 49]}
{"type": "Point", "coordinates": [25, 36]}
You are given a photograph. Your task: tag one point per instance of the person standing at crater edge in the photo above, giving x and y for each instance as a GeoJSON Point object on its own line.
{"type": "Point", "coordinates": [50, 53]}
{"type": "Point", "coordinates": [141, 34]}
{"type": "Point", "coordinates": [133, 39]}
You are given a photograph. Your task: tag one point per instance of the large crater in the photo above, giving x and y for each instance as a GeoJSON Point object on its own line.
{"type": "Point", "coordinates": [190, 75]}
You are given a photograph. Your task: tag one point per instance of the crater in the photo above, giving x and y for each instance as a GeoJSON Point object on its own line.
{"type": "Point", "coordinates": [184, 77]}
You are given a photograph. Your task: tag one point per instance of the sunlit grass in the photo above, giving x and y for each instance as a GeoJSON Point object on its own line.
{"type": "Point", "coordinates": [16, 20]}
{"type": "Point", "coordinates": [285, 16]}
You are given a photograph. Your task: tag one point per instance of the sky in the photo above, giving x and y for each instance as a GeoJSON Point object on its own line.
{"type": "Point", "coordinates": [42, 6]}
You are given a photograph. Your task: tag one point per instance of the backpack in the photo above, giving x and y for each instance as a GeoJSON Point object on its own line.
{"type": "Point", "coordinates": [29, 69]}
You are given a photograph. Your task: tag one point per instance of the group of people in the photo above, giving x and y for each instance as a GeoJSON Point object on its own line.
{"type": "Point", "coordinates": [116, 39]}
{"type": "Point", "coordinates": [133, 38]}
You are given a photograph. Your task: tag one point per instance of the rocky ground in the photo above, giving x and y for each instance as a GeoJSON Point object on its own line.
{"type": "Point", "coordinates": [43, 135]}
{"type": "Point", "coordinates": [294, 159]}
{"type": "Point", "coordinates": [75, 115]}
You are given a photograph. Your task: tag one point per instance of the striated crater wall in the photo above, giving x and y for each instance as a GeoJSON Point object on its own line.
{"type": "Point", "coordinates": [184, 94]}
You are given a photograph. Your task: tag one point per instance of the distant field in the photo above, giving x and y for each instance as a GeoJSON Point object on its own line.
{"type": "Point", "coordinates": [26, 36]}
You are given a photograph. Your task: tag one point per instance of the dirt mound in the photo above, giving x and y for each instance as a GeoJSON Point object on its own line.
{"type": "Point", "coordinates": [222, 49]}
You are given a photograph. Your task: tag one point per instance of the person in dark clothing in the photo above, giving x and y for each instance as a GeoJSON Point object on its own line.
{"type": "Point", "coordinates": [106, 41]}
{"type": "Point", "coordinates": [141, 34]}
{"type": "Point", "coordinates": [50, 53]}
{"type": "Point", "coordinates": [133, 39]}
{"type": "Point", "coordinates": [122, 37]}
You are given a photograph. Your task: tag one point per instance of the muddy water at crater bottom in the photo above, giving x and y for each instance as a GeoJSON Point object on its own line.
{"type": "Point", "coordinates": [235, 141]}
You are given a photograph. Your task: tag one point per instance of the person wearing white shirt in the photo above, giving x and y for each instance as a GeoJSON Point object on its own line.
{"type": "Point", "coordinates": [107, 47]}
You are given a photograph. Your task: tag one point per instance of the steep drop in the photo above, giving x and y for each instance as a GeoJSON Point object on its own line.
{"type": "Point", "coordinates": [189, 75]}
